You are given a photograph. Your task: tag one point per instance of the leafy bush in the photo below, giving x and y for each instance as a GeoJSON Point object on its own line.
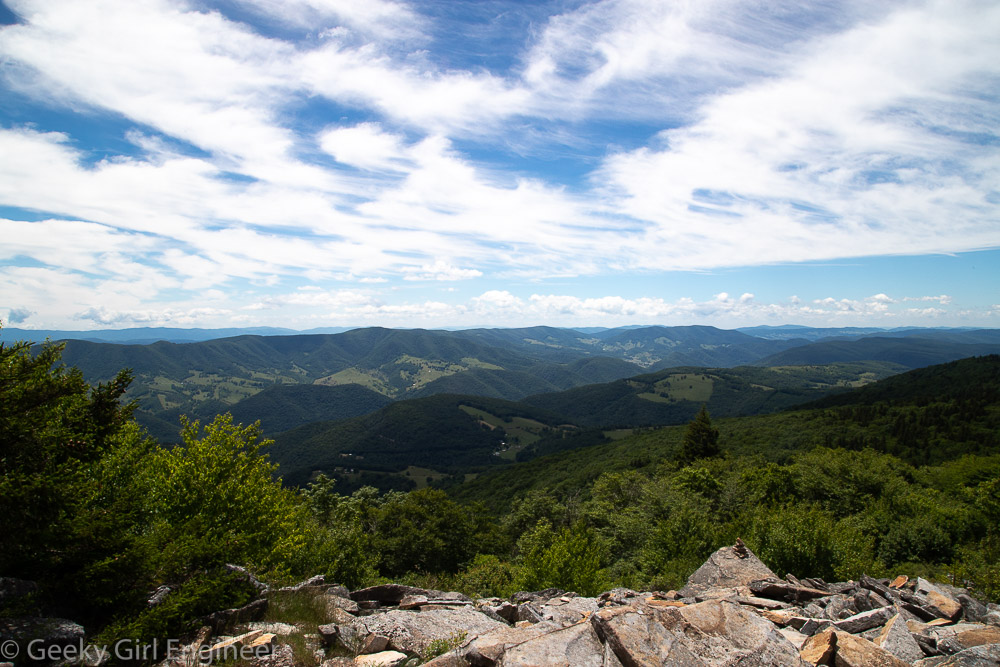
{"type": "Point", "coordinates": [183, 608]}
{"type": "Point", "coordinates": [488, 576]}
{"type": "Point", "coordinates": [571, 559]}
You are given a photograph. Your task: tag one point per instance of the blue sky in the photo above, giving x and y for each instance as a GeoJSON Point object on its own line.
{"type": "Point", "coordinates": [306, 163]}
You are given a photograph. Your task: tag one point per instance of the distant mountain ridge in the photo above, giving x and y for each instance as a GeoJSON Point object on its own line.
{"type": "Point", "coordinates": [147, 335]}
{"type": "Point", "coordinates": [910, 351]}
{"type": "Point", "coordinates": [199, 378]}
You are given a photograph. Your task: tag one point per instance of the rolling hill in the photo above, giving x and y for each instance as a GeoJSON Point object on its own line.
{"type": "Point", "coordinates": [437, 433]}
{"type": "Point", "coordinates": [213, 376]}
{"type": "Point", "coordinates": [443, 433]}
{"type": "Point", "coordinates": [673, 396]}
{"type": "Point", "coordinates": [910, 351]}
{"type": "Point", "coordinates": [928, 416]}
{"type": "Point", "coordinates": [206, 377]}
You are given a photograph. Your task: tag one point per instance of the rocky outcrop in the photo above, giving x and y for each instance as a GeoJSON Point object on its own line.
{"type": "Point", "coordinates": [727, 568]}
{"type": "Point", "coordinates": [733, 611]}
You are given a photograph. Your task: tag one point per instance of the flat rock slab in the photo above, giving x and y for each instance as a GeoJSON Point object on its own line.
{"type": "Point", "coordinates": [715, 632]}
{"type": "Point", "coordinates": [727, 567]}
{"type": "Point", "coordinates": [413, 631]}
{"type": "Point", "coordinates": [639, 639]}
{"type": "Point", "coordinates": [979, 656]}
{"type": "Point", "coordinates": [487, 648]}
{"type": "Point", "coordinates": [565, 611]}
{"type": "Point", "coordinates": [866, 620]}
{"type": "Point", "coordinates": [382, 659]}
{"type": "Point", "coordinates": [782, 590]}
{"type": "Point", "coordinates": [895, 638]}
{"type": "Point", "coordinates": [857, 652]}
{"type": "Point", "coordinates": [573, 646]}
{"type": "Point", "coordinates": [943, 606]}
{"type": "Point", "coordinates": [969, 639]}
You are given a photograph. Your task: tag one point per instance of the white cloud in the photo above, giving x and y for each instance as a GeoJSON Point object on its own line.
{"type": "Point", "coordinates": [943, 299]}
{"type": "Point", "coordinates": [440, 270]}
{"type": "Point", "coordinates": [424, 97]}
{"type": "Point", "coordinates": [365, 146]}
{"type": "Point", "coordinates": [107, 317]}
{"type": "Point", "coordinates": [822, 161]}
{"type": "Point", "coordinates": [18, 315]}
{"type": "Point", "coordinates": [381, 18]}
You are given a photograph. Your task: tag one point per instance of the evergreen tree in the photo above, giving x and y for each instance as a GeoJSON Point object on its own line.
{"type": "Point", "coordinates": [701, 439]}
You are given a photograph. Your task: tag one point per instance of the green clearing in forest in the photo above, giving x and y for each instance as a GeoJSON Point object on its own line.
{"type": "Point", "coordinates": [694, 387]}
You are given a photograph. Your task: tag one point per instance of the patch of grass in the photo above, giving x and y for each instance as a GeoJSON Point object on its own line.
{"type": "Point", "coordinates": [442, 646]}
{"type": "Point", "coordinates": [371, 379]}
{"type": "Point", "coordinates": [306, 609]}
{"type": "Point", "coordinates": [422, 476]}
{"type": "Point", "coordinates": [693, 387]}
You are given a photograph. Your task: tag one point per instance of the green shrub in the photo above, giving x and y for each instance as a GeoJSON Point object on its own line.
{"type": "Point", "coordinates": [487, 576]}
{"type": "Point", "coordinates": [183, 609]}
{"type": "Point", "coordinates": [571, 559]}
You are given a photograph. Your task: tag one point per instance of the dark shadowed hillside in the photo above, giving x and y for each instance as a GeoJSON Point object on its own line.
{"type": "Point", "coordinates": [674, 395]}
{"type": "Point", "coordinates": [447, 433]}
{"type": "Point", "coordinates": [911, 351]}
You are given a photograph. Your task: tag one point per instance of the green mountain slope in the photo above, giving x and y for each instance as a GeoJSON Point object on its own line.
{"type": "Point", "coordinates": [925, 417]}
{"type": "Point", "coordinates": [446, 433]}
{"type": "Point", "coordinates": [540, 378]}
{"type": "Point", "coordinates": [973, 379]}
{"type": "Point", "coordinates": [213, 376]}
{"type": "Point", "coordinates": [285, 407]}
{"type": "Point", "coordinates": [909, 351]}
{"type": "Point", "coordinates": [674, 395]}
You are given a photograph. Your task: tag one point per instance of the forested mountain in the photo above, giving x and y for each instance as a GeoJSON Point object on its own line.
{"type": "Point", "coordinates": [446, 433]}
{"type": "Point", "coordinates": [440, 433]}
{"type": "Point", "coordinates": [663, 347]}
{"type": "Point", "coordinates": [203, 378]}
{"type": "Point", "coordinates": [925, 416]}
{"type": "Point", "coordinates": [287, 406]}
{"type": "Point", "coordinates": [541, 378]}
{"type": "Point", "coordinates": [910, 351]}
{"type": "Point", "coordinates": [674, 395]}
{"type": "Point", "coordinates": [214, 376]}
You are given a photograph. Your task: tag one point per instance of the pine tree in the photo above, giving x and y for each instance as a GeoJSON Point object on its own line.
{"type": "Point", "coordinates": [701, 439]}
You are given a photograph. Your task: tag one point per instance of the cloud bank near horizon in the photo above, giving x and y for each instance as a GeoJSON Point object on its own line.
{"type": "Point", "coordinates": [198, 163]}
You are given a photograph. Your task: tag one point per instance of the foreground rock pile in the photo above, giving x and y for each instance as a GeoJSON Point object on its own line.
{"type": "Point", "coordinates": [733, 611]}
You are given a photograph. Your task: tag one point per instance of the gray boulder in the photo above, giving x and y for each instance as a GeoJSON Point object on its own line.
{"type": "Point", "coordinates": [987, 655]}
{"type": "Point", "coordinates": [728, 567]}
{"type": "Point", "coordinates": [715, 632]}
{"type": "Point", "coordinates": [573, 646]}
{"type": "Point", "coordinates": [413, 631]}
{"type": "Point", "coordinates": [972, 609]}
{"type": "Point", "coordinates": [895, 638]}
